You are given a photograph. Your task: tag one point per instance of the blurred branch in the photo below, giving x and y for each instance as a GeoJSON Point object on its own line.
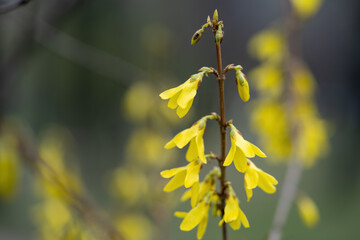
{"type": "Point", "coordinates": [79, 201]}
{"type": "Point", "coordinates": [295, 165]}
{"type": "Point", "coordinates": [84, 54]}
{"type": "Point", "coordinates": [12, 5]}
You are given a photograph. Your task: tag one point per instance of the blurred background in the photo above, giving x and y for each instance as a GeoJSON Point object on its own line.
{"type": "Point", "coordinates": [85, 76]}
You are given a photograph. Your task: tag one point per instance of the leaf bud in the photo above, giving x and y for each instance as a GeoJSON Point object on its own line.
{"type": "Point", "coordinates": [216, 15]}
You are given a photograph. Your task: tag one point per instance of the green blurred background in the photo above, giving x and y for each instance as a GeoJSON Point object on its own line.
{"type": "Point", "coordinates": [71, 62]}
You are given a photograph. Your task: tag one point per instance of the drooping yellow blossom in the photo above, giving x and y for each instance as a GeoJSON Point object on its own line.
{"type": "Point", "coordinates": [306, 8]}
{"type": "Point", "coordinates": [205, 187]}
{"type": "Point", "coordinates": [198, 216]}
{"type": "Point", "coordinates": [240, 150]}
{"type": "Point", "coordinates": [254, 177]}
{"type": "Point", "coordinates": [194, 135]}
{"type": "Point", "coordinates": [308, 211]}
{"type": "Point", "coordinates": [182, 96]}
{"type": "Point", "coordinates": [187, 176]}
{"type": "Point", "coordinates": [242, 85]}
{"type": "Point", "coordinates": [233, 215]}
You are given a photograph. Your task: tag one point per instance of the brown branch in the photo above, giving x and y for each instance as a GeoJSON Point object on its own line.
{"type": "Point", "coordinates": [222, 126]}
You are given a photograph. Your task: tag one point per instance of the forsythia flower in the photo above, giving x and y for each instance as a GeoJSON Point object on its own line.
{"type": "Point", "coordinates": [194, 135]}
{"type": "Point", "coordinates": [256, 177]}
{"type": "Point", "coordinates": [240, 150]}
{"type": "Point", "coordinates": [233, 215]}
{"type": "Point", "coordinates": [242, 84]}
{"type": "Point", "coordinates": [198, 192]}
{"type": "Point", "coordinates": [187, 176]}
{"type": "Point", "coordinates": [308, 211]}
{"type": "Point", "coordinates": [182, 97]}
{"type": "Point", "coordinates": [198, 216]}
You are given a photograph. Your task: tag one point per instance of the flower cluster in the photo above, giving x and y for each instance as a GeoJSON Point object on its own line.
{"type": "Point", "coordinates": [203, 195]}
{"type": "Point", "coordinates": [285, 116]}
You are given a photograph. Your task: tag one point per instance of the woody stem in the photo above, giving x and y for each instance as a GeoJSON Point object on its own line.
{"type": "Point", "coordinates": [222, 125]}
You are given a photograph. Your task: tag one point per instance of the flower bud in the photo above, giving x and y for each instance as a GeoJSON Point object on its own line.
{"type": "Point", "coordinates": [196, 37]}
{"type": "Point", "coordinates": [216, 15]}
{"type": "Point", "coordinates": [243, 86]}
{"type": "Point", "coordinates": [219, 35]}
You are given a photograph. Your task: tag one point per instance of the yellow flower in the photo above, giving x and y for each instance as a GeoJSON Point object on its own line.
{"type": "Point", "coordinates": [187, 176]}
{"type": "Point", "coordinates": [243, 86]}
{"type": "Point", "coordinates": [198, 216]}
{"type": "Point", "coordinates": [240, 150]}
{"type": "Point", "coordinates": [254, 177]}
{"type": "Point", "coordinates": [197, 192]}
{"type": "Point", "coordinates": [233, 215]}
{"type": "Point", "coordinates": [308, 211]}
{"type": "Point", "coordinates": [182, 96]}
{"type": "Point", "coordinates": [194, 135]}
{"type": "Point", "coordinates": [267, 45]}
{"type": "Point", "coordinates": [306, 8]}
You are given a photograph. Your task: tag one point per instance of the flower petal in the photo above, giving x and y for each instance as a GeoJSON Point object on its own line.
{"type": "Point", "coordinates": [229, 158]}
{"type": "Point", "coordinates": [173, 101]}
{"type": "Point", "coordinates": [171, 172]}
{"type": "Point", "coordinates": [192, 174]}
{"type": "Point", "coordinates": [231, 209]}
{"type": "Point", "coordinates": [187, 94]}
{"type": "Point", "coordinates": [194, 217]}
{"type": "Point", "coordinates": [181, 112]}
{"type": "Point", "coordinates": [202, 226]}
{"type": "Point", "coordinates": [200, 145]}
{"type": "Point", "coordinates": [240, 161]}
{"type": "Point", "coordinates": [176, 182]}
{"type": "Point", "coordinates": [245, 146]}
{"type": "Point", "coordinates": [257, 151]}
{"type": "Point", "coordinates": [251, 178]}
{"type": "Point", "coordinates": [192, 152]}
{"type": "Point", "coordinates": [194, 194]}
{"type": "Point", "coordinates": [172, 91]}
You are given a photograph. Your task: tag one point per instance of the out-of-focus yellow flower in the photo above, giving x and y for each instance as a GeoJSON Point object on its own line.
{"type": "Point", "coordinates": [313, 136]}
{"type": "Point", "coordinates": [233, 215]}
{"type": "Point", "coordinates": [146, 147]}
{"type": "Point", "coordinates": [308, 211]}
{"type": "Point", "coordinates": [198, 216]}
{"type": "Point", "coordinates": [135, 227]}
{"type": "Point", "coordinates": [267, 45]}
{"type": "Point", "coordinates": [187, 176]}
{"type": "Point", "coordinates": [57, 180]}
{"type": "Point", "coordinates": [268, 79]}
{"type": "Point", "coordinates": [306, 8]}
{"type": "Point", "coordinates": [128, 185]}
{"type": "Point", "coordinates": [54, 213]}
{"type": "Point", "coordinates": [254, 177]}
{"type": "Point", "coordinates": [182, 96]}
{"type": "Point", "coordinates": [242, 85]}
{"type": "Point", "coordinates": [303, 83]}
{"type": "Point", "coordinates": [240, 150]}
{"type": "Point", "coordinates": [9, 169]}
{"type": "Point", "coordinates": [270, 121]}
{"type": "Point", "coordinates": [194, 135]}
{"type": "Point", "coordinates": [139, 101]}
